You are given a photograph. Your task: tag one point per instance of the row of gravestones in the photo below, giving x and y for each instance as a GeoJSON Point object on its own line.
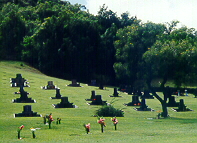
{"type": "Point", "coordinates": [167, 95]}
{"type": "Point", "coordinates": [27, 110]}
{"type": "Point", "coordinates": [73, 84]}
{"type": "Point", "coordinates": [96, 99]}
{"type": "Point", "coordinates": [173, 91]}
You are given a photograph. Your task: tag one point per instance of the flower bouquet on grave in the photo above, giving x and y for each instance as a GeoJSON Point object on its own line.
{"type": "Point", "coordinates": [87, 127]}
{"type": "Point", "coordinates": [101, 121]}
{"type": "Point", "coordinates": [115, 121]}
{"type": "Point", "coordinates": [19, 131]}
{"type": "Point", "coordinates": [50, 119]}
{"type": "Point", "coordinates": [33, 131]}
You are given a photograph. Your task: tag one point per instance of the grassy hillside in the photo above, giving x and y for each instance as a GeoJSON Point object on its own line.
{"type": "Point", "coordinates": [136, 126]}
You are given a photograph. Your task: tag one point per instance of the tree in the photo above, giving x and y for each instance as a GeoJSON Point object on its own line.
{"type": "Point", "coordinates": [106, 18]}
{"type": "Point", "coordinates": [172, 59]}
{"type": "Point", "coordinates": [12, 31]}
{"type": "Point", "coordinates": [125, 20]}
{"type": "Point", "coordinates": [131, 43]}
{"type": "Point", "coordinates": [106, 52]}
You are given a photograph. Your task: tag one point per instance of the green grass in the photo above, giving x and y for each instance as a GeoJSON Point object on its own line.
{"type": "Point", "coordinates": [135, 127]}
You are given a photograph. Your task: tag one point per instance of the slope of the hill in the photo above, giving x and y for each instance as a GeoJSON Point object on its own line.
{"type": "Point", "coordinates": [134, 127]}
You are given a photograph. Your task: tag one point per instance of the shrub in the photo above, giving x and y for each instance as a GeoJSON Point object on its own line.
{"type": "Point", "coordinates": [109, 111]}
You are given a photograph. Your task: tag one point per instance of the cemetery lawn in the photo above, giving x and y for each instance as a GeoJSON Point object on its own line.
{"type": "Point", "coordinates": [135, 126]}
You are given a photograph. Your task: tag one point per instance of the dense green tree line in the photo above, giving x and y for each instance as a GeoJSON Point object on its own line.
{"type": "Point", "coordinates": [67, 41]}
{"type": "Point", "coordinates": [60, 39]}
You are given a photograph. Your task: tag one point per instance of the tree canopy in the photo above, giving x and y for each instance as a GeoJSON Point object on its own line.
{"type": "Point", "coordinates": [66, 41]}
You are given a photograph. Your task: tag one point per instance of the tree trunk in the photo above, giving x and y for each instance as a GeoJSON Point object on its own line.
{"type": "Point", "coordinates": [162, 101]}
{"type": "Point", "coordinates": [164, 109]}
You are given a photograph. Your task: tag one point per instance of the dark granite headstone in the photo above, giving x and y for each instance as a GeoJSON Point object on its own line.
{"type": "Point", "coordinates": [98, 101]}
{"type": "Point", "coordinates": [18, 81]}
{"type": "Point", "coordinates": [122, 88]}
{"type": "Point", "coordinates": [27, 112]}
{"type": "Point", "coordinates": [182, 107]}
{"type": "Point", "coordinates": [135, 101]}
{"type": "Point", "coordinates": [57, 95]}
{"type": "Point", "coordinates": [101, 86]}
{"type": "Point", "coordinates": [50, 85]}
{"type": "Point", "coordinates": [93, 83]}
{"type": "Point", "coordinates": [115, 94]}
{"type": "Point", "coordinates": [64, 103]}
{"type": "Point", "coordinates": [24, 98]}
{"type": "Point", "coordinates": [172, 102]}
{"type": "Point", "coordinates": [143, 106]}
{"type": "Point", "coordinates": [93, 96]}
{"type": "Point", "coordinates": [20, 90]}
{"type": "Point", "coordinates": [74, 83]}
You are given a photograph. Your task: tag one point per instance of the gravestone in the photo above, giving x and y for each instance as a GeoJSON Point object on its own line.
{"type": "Point", "coordinates": [64, 103]}
{"type": "Point", "coordinates": [147, 95]}
{"type": "Point", "coordinates": [27, 112]}
{"type": "Point", "coordinates": [93, 96]}
{"type": "Point", "coordinates": [178, 92]}
{"type": "Point", "coordinates": [101, 86]}
{"type": "Point", "coordinates": [18, 81]}
{"type": "Point", "coordinates": [49, 85]}
{"type": "Point", "coordinates": [20, 90]}
{"type": "Point", "coordinates": [74, 83]}
{"type": "Point", "coordinates": [143, 106]}
{"type": "Point", "coordinates": [122, 88]}
{"type": "Point", "coordinates": [93, 83]}
{"type": "Point", "coordinates": [57, 95]}
{"type": "Point", "coordinates": [115, 94]}
{"type": "Point", "coordinates": [172, 102]}
{"type": "Point", "coordinates": [182, 107]}
{"type": "Point", "coordinates": [135, 101]}
{"type": "Point", "coordinates": [98, 101]}
{"type": "Point", "coordinates": [195, 93]}
{"type": "Point", "coordinates": [23, 98]}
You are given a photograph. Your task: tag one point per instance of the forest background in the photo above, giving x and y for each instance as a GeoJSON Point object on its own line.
{"type": "Point", "coordinates": [66, 41]}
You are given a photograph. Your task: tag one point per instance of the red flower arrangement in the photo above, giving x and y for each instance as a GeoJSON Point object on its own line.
{"type": "Point", "coordinates": [101, 121]}
{"type": "Point", "coordinates": [114, 120]}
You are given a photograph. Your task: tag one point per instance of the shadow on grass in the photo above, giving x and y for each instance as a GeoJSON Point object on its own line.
{"type": "Point", "coordinates": [174, 119]}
